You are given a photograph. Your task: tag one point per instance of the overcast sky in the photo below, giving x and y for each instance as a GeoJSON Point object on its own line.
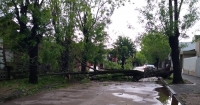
{"type": "Point", "coordinates": [127, 15]}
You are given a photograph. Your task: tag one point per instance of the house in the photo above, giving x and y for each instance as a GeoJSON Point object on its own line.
{"type": "Point", "coordinates": [6, 55]}
{"type": "Point", "coordinates": [189, 57]}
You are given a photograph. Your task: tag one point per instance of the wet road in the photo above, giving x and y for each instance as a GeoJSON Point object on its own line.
{"type": "Point", "coordinates": [96, 93]}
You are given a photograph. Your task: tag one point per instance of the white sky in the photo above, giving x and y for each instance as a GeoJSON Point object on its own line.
{"type": "Point", "coordinates": [127, 15]}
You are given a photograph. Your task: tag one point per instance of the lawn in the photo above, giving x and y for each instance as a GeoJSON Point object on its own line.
{"type": "Point", "coordinates": [170, 79]}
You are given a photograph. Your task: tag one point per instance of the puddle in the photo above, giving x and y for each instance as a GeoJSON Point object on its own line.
{"type": "Point", "coordinates": [133, 97]}
{"type": "Point", "coordinates": [150, 79]}
{"type": "Point", "coordinates": [147, 86]}
{"type": "Point", "coordinates": [165, 97]}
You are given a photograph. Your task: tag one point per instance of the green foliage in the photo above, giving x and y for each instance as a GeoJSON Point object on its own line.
{"type": "Point", "coordinates": [129, 64]}
{"type": "Point", "coordinates": [168, 17]}
{"type": "Point", "coordinates": [85, 80]}
{"type": "Point", "coordinates": [45, 82]}
{"type": "Point", "coordinates": [105, 84]}
{"type": "Point", "coordinates": [155, 46]}
{"type": "Point", "coordinates": [105, 77]}
{"type": "Point", "coordinates": [113, 77]}
{"type": "Point", "coordinates": [92, 17]}
{"type": "Point", "coordinates": [97, 53]}
{"type": "Point", "coordinates": [140, 58]}
{"type": "Point", "coordinates": [111, 65]}
{"type": "Point", "coordinates": [49, 52]}
{"type": "Point", "coordinates": [125, 48]}
{"type": "Point", "coordinates": [156, 15]}
{"type": "Point", "coordinates": [52, 24]}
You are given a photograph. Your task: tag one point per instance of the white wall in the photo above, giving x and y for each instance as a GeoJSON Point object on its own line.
{"type": "Point", "coordinates": [198, 67]}
{"type": "Point", "coordinates": [189, 64]}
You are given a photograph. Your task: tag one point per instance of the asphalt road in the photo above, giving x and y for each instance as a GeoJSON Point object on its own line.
{"type": "Point", "coordinates": [96, 93]}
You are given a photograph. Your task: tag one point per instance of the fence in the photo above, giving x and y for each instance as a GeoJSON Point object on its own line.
{"type": "Point", "coordinates": [3, 74]}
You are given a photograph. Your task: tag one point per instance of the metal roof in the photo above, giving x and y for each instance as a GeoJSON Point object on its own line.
{"type": "Point", "coordinates": [187, 46]}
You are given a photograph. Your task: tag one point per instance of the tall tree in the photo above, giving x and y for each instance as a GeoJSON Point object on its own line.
{"type": "Point", "coordinates": [165, 16]}
{"type": "Point", "coordinates": [96, 55]}
{"type": "Point", "coordinates": [125, 48]}
{"type": "Point", "coordinates": [32, 18]}
{"type": "Point", "coordinates": [64, 25]}
{"type": "Point", "coordinates": [92, 17]}
{"type": "Point", "coordinates": [155, 47]}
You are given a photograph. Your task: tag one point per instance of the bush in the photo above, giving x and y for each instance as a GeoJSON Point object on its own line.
{"type": "Point", "coordinates": [128, 66]}
{"type": "Point", "coordinates": [111, 65]}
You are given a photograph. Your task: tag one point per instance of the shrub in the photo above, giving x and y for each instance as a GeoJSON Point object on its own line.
{"type": "Point", "coordinates": [111, 65]}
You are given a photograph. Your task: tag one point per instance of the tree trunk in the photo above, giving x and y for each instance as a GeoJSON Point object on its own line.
{"type": "Point", "coordinates": [157, 63]}
{"type": "Point", "coordinates": [177, 78]}
{"type": "Point", "coordinates": [123, 62]}
{"type": "Point", "coordinates": [86, 39]}
{"type": "Point", "coordinates": [173, 34]}
{"type": "Point", "coordinates": [174, 44]}
{"type": "Point", "coordinates": [95, 64]}
{"type": "Point", "coordinates": [33, 66]}
{"type": "Point", "coordinates": [83, 64]}
{"type": "Point", "coordinates": [65, 56]}
{"type": "Point", "coordinates": [33, 52]}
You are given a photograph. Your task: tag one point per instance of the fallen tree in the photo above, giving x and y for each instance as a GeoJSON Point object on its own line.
{"type": "Point", "coordinates": [164, 73]}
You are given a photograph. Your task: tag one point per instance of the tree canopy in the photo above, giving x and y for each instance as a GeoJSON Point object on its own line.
{"type": "Point", "coordinates": [36, 27]}
{"type": "Point", "coordinates": [139, 58]}
{"type": "Point", "coordinates": [155, 47]}
{"type": "Point", "coordinates": [125, 48]}
{"type": "Point", "coordinates": [167, 17]}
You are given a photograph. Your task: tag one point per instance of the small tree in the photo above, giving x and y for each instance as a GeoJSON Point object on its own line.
{"type": "Point", "coordinates": [125, 49]}
{"type": "Point", "coordinates": [155, 47]}
{"type": "Point", "coordinates": [92, 17]}
{"type": "Point", "coordinates": [63, 16]}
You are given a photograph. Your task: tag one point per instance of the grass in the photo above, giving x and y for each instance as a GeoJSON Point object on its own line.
{"type": "Point", "coordinates": [113, 77]}
{"type": "Point", "coordinates": [85, 80]}
{"type": "Point", "coordinates": [170, 79]}
{"type": "Point", "coordinates": [44, 82]}
{"type": "Point", "coordinates": [105, 84]}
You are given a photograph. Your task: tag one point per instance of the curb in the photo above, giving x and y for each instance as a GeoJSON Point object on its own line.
{"type": "Point", "coordinates": [172, 91]}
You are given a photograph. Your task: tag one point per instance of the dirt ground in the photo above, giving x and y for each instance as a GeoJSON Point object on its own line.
{"type": "Point", "coordinates": [190, 99]}
{"type": "Point", "coordinates": [96, 93]}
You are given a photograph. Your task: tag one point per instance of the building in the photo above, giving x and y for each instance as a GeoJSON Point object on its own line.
{"type": "Point", "coordinates": [190, 57]}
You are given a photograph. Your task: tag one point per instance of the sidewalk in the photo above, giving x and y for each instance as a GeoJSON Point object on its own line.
{"type": "Point", "coordinates": [187, 94]}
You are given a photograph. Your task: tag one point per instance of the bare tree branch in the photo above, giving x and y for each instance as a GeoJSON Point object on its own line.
{"type": "Point", "coordinates": [179, 9]}
{"type": "Point", "coordinates": [79, 16]}
{"type": "Point", "coordinates": [41, 2]}
{"type": "Point", "coordinates": [170, 17]}
{"type": "Point", "coordinates": [99, 8]}
{"type": "Point", "coordinates": [27, 1]}
{"type": "Point", "coordinates": [16, 10]}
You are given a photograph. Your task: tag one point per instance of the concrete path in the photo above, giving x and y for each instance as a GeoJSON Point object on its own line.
{"type": "Point", "coordinates": [187, 94]}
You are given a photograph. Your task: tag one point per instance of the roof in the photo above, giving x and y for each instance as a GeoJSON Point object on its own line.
{"type": "Point", "coordinates": [187, 46]}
